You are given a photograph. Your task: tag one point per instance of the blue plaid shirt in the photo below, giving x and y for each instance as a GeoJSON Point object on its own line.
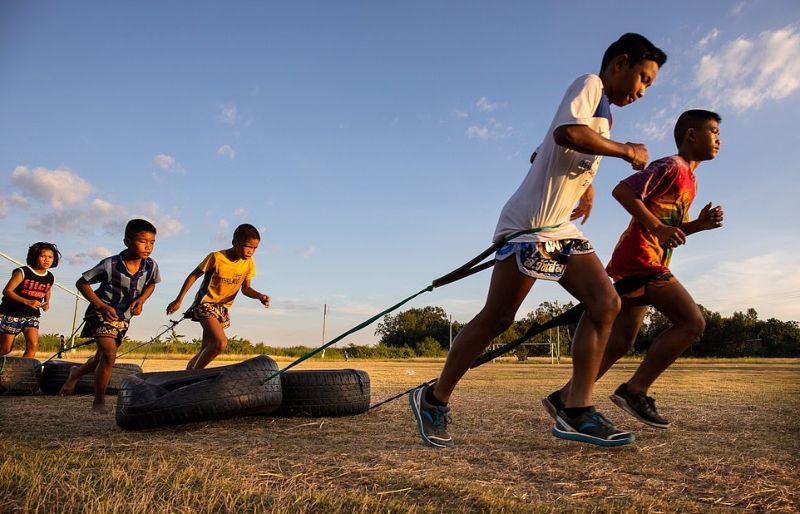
{"type": "Point", "coordinates": [118, 288]}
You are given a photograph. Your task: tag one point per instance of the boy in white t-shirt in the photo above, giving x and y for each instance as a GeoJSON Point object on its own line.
{"type": "Point", "coordinates": [560, 177]}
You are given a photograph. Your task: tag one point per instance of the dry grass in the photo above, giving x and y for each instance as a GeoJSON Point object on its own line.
{"type": "Point", "coordinates": [733, 447]}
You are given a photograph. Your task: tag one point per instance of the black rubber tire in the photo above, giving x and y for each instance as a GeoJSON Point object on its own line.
{"type": "Point", "coordinates": [342, 392]}
{"type": "Point", "coordinates": [56, 372]}
{"type": "Point", "coordinates": [19, 375]}
{"type": "Point", "coordinates": [149, 400]}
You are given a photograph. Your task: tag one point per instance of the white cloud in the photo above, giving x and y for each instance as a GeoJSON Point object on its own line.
{"type": "Point", "coordinates": [240, 212]}
{"type": "Point", "coordinates": [460, 114]}
{"type": "Point", "coordinates": [103, 214]}
{"type": "Point", "coordinates": [94, 254]}
{"type": "Point", "coordinates": [658, 126]}
{"type": "Point", "coordinates": [3, 208]}
{"type": "Point", "coordinates": [492, 130]}
{"type": "Point", "coordinates": [737, 9]}
{"type": "Point", "coordinates": [19, 200]}
{"type": "Point", "coordinates": [222, 235]}
{"type": "Point", "coordinates": [308, 252]}
{"type": "Point", "coordinates": [711, 36]}
{"type": "Point", "coordinates": [748, 72]}
{"type": "Point", "coordinates": [166, 225]}
{"type": "Point", "coordinates": [59, 187]}
{"type": "Point", "coordinates": [102, 206]}
{"type": "Point", "coordinates": [483, 105]}
{"type": "Point", "coordinates": [228, 113]}
{"type": "Point", "coordinates": [478, 132]}
{"type": "Point", "coordinates": [168, 163]}
{"type": "Point", "coordinates": [773, 291]}
{"type": "Point", "coordinates": [226, 151]}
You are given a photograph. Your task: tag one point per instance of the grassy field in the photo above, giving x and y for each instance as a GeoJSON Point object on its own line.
{"type": "Point", "coordinates": [733, 447]}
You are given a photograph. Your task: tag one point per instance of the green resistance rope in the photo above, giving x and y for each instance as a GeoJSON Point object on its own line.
{"type": "Point", "coordinates": [464, 271]}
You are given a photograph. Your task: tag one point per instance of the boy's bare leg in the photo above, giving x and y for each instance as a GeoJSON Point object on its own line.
{"type": "Point", "coordinates": [586, 280]}
{"type": "Point", "coordinates": [106, 356]}
{"type": "Point", "coordinates": [6, 343]}
{"type": "Point", "coordinates": [214, 343]}
{"type": "Point", "coordinates": [620, 339]}
{"type": "Point", "coordinates": [31, 342]}
{"type": "Point", "coordinates": [507, 290]}
{"type": "Point", "coordinates": [76, 372]}
{"type": "Point", "coordinates": [674, 302]}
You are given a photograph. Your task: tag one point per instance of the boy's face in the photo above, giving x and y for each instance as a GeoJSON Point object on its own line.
{"type": "Point", "coordinates": [628, 81]}
{"type": "Point", "coordinates": [140, 245]}
{"type": "Point", "coordinates": [245, 249]}
{"type": "Point", "coordinates": [45, 259]}
{"type": "Point", "coordinates": [705, 140]}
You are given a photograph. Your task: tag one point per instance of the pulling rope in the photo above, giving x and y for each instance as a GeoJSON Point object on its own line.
{"type": "Point", "coordinates": [172, 324]}
{"type": "Point", "coordinates": [464, 271]}
{"type": "Point", "coordinates": [569, 317]}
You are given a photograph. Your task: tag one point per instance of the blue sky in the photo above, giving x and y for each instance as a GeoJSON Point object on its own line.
{"type": "Point", "coordinates": [374, 143]}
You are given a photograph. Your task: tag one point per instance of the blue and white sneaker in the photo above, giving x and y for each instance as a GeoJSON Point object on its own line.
{"type": "Point", "coordinates": [590, 427]}
{"type": "Point", "coordinates": [431, 420]}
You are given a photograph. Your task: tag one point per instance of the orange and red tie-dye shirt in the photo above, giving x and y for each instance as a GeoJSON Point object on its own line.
{"type": "Point", "coordinates": [667, 187]}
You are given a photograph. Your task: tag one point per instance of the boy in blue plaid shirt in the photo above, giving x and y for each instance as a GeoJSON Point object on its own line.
{"type": "Point", "coordinates": [126, 281]}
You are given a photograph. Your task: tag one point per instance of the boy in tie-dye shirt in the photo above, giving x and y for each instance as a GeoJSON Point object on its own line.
{"type": "Point", "coordinates": [658, 198]}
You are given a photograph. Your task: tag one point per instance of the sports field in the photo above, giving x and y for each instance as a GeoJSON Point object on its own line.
{"type": "Point", "coordinates": [733, 447]}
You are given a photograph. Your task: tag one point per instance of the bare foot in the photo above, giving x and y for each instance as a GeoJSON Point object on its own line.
{"type": "Point", "coordinates": [72, 380]}
{"type": "Point", "coordinates": [99, 408]}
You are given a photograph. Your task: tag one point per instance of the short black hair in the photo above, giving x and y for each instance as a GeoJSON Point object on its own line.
{"type": "Point", "coordinates": [244, 232]}
{"type": "Point", "coordinates": [692, 119]}
{"type": "Point", "coordinates": [36, 249]}
{"type": "Point", "coordinates": [637, 47]}
{"type": "Point", "coordinates": [137, 225]}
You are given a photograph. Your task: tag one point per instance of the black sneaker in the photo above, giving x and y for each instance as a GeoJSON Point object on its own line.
{"type": "Point", "coordinates": [590, 427]}
{"type": "Point", "coordinates": [552, 403]}
{"type": "Point", "coordinates": [431, 420]}
{"type": "Point", "coordinates": [640, 406]}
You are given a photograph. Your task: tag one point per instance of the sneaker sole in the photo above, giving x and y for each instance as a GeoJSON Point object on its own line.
{"type": "Point", "coordinates": [550, 408]}
{"type": "Point", "coordinates": [583, 438]}
{"type": "Point", "coordinates": [620, 402]}
{"type": "Point", "coordinates": [414, 402]}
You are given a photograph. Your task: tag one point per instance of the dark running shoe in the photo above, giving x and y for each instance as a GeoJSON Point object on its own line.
{"type": "Point", "coordinates": [552, 403]}
{"type": "Point", "coordinates": [590, 427]}
{"type": "Point", "coordinates": [640, 406]}
{"type": "Point", "coordinates": [431, 420]}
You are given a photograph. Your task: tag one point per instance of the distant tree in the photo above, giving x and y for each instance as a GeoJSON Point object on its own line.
{"type": "Point", "coordinates": [409, 328]}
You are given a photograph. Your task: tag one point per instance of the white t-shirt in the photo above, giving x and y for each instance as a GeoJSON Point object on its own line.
{"type": "Point", "coordinates": [558, 176]}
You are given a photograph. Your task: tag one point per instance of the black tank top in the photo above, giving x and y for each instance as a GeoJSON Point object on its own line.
{"type": "Point", "coordinates": [32, 287]}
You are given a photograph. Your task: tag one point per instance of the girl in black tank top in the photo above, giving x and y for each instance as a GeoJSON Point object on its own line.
{"type": "Point", "coordinates": [25, 294]}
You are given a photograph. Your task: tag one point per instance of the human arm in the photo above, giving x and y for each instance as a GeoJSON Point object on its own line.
{"type": "Point", "coordinates": [584, 207]}
{"type": "Point", "coordinates": [666, 234]}
{"type": "Point", "coordinates": [138, 303]}
{"type": "Point", "coordinates": [46, 304]}
{"type": "Point", "coordinates": [583, 139]}
{"type": "Point", "coordinates": [108, 312]}
{"type": "Point", "coordinates": [248, 291]}
{"type": "Point", "coordinates": [709, 218]}
{"type": "Point", "coordinates": [16, 279]}
{"type": "Point", "coordinates": [187, 284]}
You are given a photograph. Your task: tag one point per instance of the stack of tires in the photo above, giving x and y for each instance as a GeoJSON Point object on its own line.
{"type": "Point", "coordinates": [149, 400]}
{"type": "Point", "coordinates": [19, 375]}
{"type": "Point", "coordinates": [56, 372]}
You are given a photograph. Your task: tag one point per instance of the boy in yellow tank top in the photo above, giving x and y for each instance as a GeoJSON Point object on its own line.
{"type": "Point", "coordinates": [224, 273]}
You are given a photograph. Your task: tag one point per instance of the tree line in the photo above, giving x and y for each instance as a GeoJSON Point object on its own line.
{"type": "Point", "coordinates": [426, 332]}
{"type": "Point", "coordinates": [742, 334]}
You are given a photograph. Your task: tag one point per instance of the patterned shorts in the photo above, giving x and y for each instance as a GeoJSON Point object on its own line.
{"type": "Point", "coordinates": [210, 310]}
{"type": "Point", "coordinates": [656, 280]}
{"type": "Point", "coordinates": [14, 325]}
{"type": "Point", "coordinates": [97, 326]}
{"type": "Point", "coordinates": [545, 260]}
